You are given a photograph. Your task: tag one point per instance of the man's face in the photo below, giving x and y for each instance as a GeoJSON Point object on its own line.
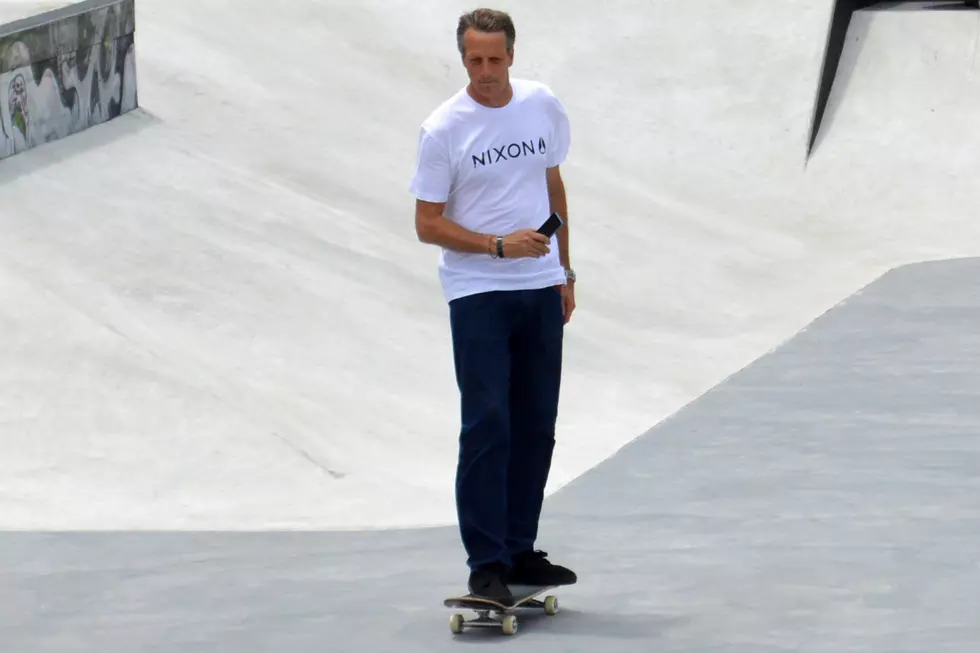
{"type": "Point", "coordinates": [487, 61]}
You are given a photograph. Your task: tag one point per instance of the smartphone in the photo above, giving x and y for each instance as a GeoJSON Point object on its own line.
{"type": "Point", "coordinates": [551, 225]}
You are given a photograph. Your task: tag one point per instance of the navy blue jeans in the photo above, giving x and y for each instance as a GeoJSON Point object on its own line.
{"type": "Point", "coordinates": [507, 348]}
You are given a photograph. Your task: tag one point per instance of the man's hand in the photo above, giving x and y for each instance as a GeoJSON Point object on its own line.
{"type": "Point", "coordinates": [526, 243]}
{"type": "Point", "coordinates": [568, 300]}
{"type": "Point", "coordinates": [433, 227]}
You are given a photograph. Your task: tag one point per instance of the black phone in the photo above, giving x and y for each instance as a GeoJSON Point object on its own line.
{"type": "Point", "coordinates": [551, 225]}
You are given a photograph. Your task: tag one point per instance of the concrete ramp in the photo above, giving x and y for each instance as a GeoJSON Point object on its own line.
{"type": "Point", "coordinates": [245, 333]}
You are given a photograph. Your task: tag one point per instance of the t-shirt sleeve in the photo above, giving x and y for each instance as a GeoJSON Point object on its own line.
{"type": "Point", "coordinates": [433, 172]}
{"type": "Point", "coordinates": [561, 132]}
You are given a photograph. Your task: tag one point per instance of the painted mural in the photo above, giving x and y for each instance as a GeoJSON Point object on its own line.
{"type": "Point", "coordinates": [66, 75]}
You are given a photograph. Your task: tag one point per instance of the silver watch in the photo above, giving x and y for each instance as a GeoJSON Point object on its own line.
{"type": "Point", "coordinates": [570, 274]}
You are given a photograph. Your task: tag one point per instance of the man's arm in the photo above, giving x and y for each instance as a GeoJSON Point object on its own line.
{"type": "Point", "coordinates": [434, 228]}
{"type": "Point", "coordinates": [559, 204]}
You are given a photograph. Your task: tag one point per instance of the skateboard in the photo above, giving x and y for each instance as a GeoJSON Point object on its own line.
{"type": "Point", "coordinates": [488, 609]}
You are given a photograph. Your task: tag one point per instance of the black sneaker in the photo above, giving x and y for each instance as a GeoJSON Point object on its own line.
{"type": "Point", "coordinates": [489, 582]}
{"type": "Point", "coordinates": [533, 568]}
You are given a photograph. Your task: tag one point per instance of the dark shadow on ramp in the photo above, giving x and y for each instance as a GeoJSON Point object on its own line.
{"type": "Point", "coordinates": [826, 498]}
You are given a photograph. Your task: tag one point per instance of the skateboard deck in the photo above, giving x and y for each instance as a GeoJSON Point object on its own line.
{"type": "Point", "coordinates": [494, 614]}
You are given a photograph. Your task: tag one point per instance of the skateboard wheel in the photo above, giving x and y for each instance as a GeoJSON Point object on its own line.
{"type": "Point", "coordinates": [510, 625]}
{"type": "Point", "coordinates": [456, 623]}
{"type": "Point", "coordinates": [551, 605]}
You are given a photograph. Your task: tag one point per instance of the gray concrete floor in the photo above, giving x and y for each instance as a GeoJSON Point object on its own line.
{"type": "Point", "coordinates": [826, 498]}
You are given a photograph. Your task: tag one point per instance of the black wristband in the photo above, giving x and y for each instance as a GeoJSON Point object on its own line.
{"type": "Point", "coordinates": [500, 247]}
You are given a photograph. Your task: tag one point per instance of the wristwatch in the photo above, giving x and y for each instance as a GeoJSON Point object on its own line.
{"type": "Point", "coordinates": [570, 274]}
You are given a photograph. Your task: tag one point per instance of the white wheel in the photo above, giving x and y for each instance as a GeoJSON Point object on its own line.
{"type": "Point", "coordinates": [551, 605]}
{"type": "Point", "coordinates": [510, 625]}
{"type": "Point", "coordinates": [456, 623]}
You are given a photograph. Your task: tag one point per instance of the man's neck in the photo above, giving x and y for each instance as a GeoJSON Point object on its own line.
{"type": "Point", "coordinates": [503, 101]}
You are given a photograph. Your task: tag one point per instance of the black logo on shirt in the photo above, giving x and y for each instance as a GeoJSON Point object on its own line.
{"type": "Point", "coordinates": [508, 152]}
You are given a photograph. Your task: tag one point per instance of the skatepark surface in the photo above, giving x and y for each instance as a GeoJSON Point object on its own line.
{"type": "Point", "coordinates": [229, 417]}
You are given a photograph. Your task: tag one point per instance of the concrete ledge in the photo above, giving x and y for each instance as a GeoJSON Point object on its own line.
{"type": "Point", "coordinates": [64, 71]}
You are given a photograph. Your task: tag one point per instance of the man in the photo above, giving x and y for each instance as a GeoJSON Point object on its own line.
{"type": "Point", "coordinates": [487, 177]}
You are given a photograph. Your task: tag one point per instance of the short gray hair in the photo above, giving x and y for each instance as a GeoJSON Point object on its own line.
{"type": "Point", "coordinates": [486, 20]}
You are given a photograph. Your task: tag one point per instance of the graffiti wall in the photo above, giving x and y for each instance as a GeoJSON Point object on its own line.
{"type": "Point", "coordinates": [66, 71]}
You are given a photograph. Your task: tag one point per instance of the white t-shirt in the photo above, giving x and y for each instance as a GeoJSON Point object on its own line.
{"type": "Point", "coordinates": [488, 165]}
